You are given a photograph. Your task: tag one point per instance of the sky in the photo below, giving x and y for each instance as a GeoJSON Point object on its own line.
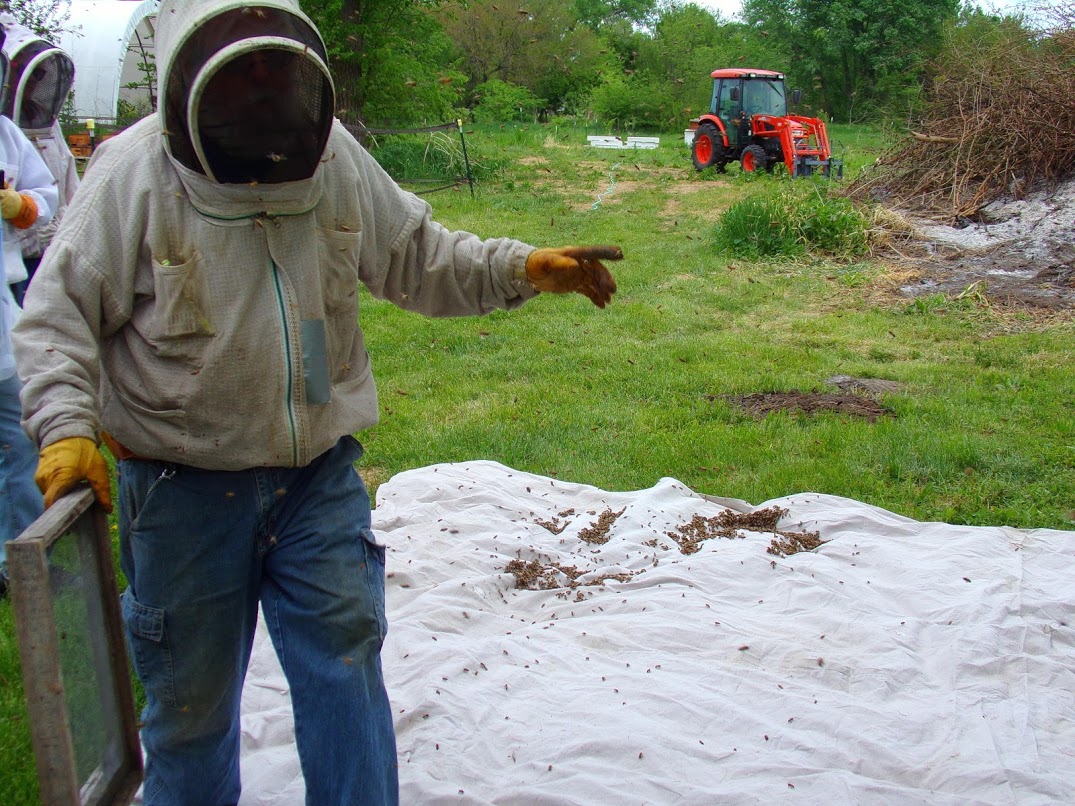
{"type": "Point", "coordinates": [727, 8]}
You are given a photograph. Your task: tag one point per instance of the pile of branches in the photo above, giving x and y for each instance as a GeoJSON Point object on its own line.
{"type": "Point", "coordinates": [1000, 121]}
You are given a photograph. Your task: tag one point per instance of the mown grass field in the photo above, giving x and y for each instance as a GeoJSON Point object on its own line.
{"type": "Point", "coordinates": [980, 431]}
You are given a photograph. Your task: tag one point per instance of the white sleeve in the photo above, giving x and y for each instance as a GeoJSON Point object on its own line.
{"type": "Point", "coordinates": [34, 179]}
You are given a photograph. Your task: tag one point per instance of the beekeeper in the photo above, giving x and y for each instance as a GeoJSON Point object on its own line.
{"type": "Point", "coordinates": [39, 81]}
{"type": "Point", "coordinates": [199, 304]}
{"type": "Point", "coordinates": [27, 198]}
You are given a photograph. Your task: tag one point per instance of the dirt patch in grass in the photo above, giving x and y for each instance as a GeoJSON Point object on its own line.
{"type": "Point", "coordinates": [691, 199]}
{"type": "Point", "coordinates": [373, 477]}
{"type": "Point", "coordinates": [1016, 253]}
{"type": "Point", "coordinates": [762, 404]}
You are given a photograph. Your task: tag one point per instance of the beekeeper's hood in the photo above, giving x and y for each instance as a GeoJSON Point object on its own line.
{"type": "Point", "coordinates": [245, 91]}
{"type": "Point", "coordinates": [39, 78]}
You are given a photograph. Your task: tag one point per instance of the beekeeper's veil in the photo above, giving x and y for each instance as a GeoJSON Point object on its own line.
{"type": "Point", "coordinates": [4, 67]}
{"type": "Point", "coordinates": [39, 78]}
{"type": "Point", "coordinates": [246, 95]}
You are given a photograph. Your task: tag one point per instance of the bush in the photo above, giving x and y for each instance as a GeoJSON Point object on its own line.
{"type": "Point", "coordinates": [503, 102]}
{"type": "Point", "coordinates": [633, 103]}
{"type": "Point", "coordinates": [790, 219]}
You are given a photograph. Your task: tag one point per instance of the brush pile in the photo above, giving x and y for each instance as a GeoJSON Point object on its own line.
{"type": "Point", "coordinates": [999, 122]}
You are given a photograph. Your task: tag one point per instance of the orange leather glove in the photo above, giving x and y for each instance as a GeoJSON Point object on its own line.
{"type": "Point", "coordinates": [65, 463]}
{"type": "Point", "coordinates": [574, 268]}
{"type": "Point", "coordinates": [19, 209]}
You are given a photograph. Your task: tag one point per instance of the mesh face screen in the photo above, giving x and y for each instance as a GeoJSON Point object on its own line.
{"type": "Point", "coordinates": [209, 39]}
{"type": "Point", "coordinates": [15, 70]}
{"type": "Point", "coordinates": [264, 117]}
{"type": "Point", "coordinates": [43, 91]}
{"type": "Point", "coordinates": [5, 70]}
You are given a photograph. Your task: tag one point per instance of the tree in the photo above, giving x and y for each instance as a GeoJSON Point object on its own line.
{"type": "Point", "coordinates": [46, 18]}
{"type": "Point", "coordinates": [540, 46]}
{"type": "Point", "coordinates": [598, 14]}
{"type": "Point", "coordinates": [865, 57]}
{"type": "Point", "coordinates": [389, 58]}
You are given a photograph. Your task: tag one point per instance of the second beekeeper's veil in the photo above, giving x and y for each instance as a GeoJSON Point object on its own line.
{"type": "Point", "coordinates": [4, 66]}
{"type": "Point", "coordinates": [39, 80]}
{"type": "Point", "coordinates": [247, 96]}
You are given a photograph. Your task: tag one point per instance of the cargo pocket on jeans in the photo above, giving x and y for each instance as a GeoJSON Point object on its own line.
{"type": "Point", "coordinates": [375, 560]}
{"type": "Point", "coordinates": [150, 653]}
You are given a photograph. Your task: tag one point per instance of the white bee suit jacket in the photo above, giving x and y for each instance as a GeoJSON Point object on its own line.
{"type": "Point", "coordinates": [52, 147]}
{"type": "Point", "coordinates": [24, 171]}
{"type": "Point", "coordinates": [216, 325]}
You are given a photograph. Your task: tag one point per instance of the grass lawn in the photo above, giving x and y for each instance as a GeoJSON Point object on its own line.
{"type": "Point", "coordinates": [980, 430]}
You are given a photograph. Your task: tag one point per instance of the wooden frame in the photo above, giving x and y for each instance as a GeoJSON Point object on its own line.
{"type": "Point", "coordinates": [78, 686]}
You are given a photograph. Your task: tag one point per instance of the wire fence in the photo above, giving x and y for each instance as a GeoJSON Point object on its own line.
{"type": "Point", "coordinates": [365, 133]}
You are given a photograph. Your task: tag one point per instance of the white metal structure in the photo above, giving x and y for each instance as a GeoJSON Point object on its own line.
{"type": "Point", "coordinates": [111, 41]}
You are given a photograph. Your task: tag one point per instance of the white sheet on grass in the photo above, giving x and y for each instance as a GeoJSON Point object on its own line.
{"type": "Point", "coordinates": [901, 662]}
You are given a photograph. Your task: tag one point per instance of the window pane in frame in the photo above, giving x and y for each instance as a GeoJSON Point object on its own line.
{"type": "Point", "coordinates": [74, 660]}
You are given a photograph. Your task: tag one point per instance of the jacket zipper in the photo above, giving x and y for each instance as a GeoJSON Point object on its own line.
{"type": "Point", "coordinates": [259, 220]}
{"type": "Point", "coordinates": [290, 368]}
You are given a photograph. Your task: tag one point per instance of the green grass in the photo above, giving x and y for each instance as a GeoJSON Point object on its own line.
{"type": "Point", "coordinates": [18, 782]}
{"type": "Point", "coordinates": [981, 430]}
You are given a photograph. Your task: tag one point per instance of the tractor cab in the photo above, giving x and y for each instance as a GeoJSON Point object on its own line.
{"type": "Point", "coordinates": [742, 96]}
{"type": "Point", "coordinates": [748, 121]}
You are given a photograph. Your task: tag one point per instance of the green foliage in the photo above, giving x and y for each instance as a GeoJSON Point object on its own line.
{"type": "Point", "coordinates": [629, 103]}
{"type": "Point", "coordinates": [864, 57]}
{"type": "Point", "coordinates": [127, 114]}
{"type": "Point", "coordinates": [541, 47]}
{"type": "Point", "coordinates": [598, 14]}
{"type": "Point", "coordinates": [790, 219]}
{"type": "Point", "coordinates": [49, 19]}
{"type": "Point", "coordinates": [500, 102]}
{"type": "Point", "coordinates": [390, 60]}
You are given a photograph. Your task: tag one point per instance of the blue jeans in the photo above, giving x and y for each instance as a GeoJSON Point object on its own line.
{"type": "Point", "coordinates": [200, 549]}
{"type": "Point", "coordinates": [20, 500]}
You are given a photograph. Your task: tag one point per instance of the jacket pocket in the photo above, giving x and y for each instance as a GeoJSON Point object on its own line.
{"type": "Point", "coordinates": [337, 252]}
{"type": "Point", "coordinates": [181, 300]}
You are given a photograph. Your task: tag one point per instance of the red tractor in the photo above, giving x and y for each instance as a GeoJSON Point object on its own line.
{"type": "Point", "coordinates": [748, 121]}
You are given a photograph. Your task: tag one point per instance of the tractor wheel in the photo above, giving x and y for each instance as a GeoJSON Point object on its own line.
{"type": "Point", "coordinates": [754, 159]}
{"type": "Point", "coordinates": [707, 148]}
